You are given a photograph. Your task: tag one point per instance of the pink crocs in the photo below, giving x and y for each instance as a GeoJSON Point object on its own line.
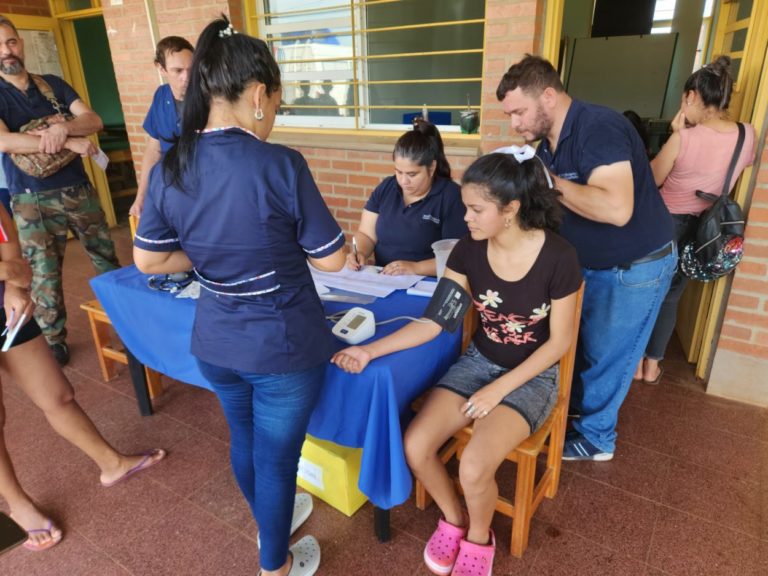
{"type": "Point", "coordinates": [443, 547]}
{"type": "Point", "coordinates": [475, 559]}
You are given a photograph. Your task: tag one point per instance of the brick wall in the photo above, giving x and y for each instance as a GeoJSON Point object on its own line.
{"type": "Point", "coordinates": [26, 7]}
{"type": "Point", "coordinates": [745, 327]}
{"type": "Point", "coordinates": [510, 32]}
{"type": "Point", "coordinates": [346, 176]}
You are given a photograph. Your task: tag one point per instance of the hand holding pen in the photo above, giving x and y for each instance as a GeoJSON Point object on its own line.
{"type": "Point", "coordinates": [355, 260]}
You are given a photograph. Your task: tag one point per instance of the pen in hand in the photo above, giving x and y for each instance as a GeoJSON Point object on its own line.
{"type": "Point", "coordinates": [354, 252]}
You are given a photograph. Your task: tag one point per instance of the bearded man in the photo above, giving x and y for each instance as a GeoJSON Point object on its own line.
{"type": "Point", "coordinates": [622, 232]}
{"type": "Point", "coordinates": [44, 209]}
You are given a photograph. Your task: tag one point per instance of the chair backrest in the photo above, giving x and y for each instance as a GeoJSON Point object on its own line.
{"type": "Point", "coordinates": [568, 360]}
{"type": "Point", "coordinates": [133, 222]}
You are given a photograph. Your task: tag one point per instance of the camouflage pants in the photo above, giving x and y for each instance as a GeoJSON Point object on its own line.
{"type": "Point", "coordinates": [43, 219]}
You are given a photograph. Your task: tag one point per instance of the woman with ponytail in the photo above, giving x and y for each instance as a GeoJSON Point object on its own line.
{"type": "Point", "coordinates": [522, 279]}
{"type": "Point", "coordinates": [695, 157]}
{"type": "Point", "coordinates": [409, 211]}
{"type": "Point", "coordinates": [246, 215]}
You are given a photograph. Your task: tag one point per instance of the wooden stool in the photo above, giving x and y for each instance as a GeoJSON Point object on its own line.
{"type": "Point", "coordinates": [102, 338]}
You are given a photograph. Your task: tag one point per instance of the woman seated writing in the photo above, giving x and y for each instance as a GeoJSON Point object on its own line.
{"type": "Point", "coordinates": [409, 211]}
{"type": "Point", "coordinates": [523, 279]}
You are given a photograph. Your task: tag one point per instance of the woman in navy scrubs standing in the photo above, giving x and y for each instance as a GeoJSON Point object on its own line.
{"type": "Point", "coordinates": [246, 215]}
{"type": "Point", "coordinates": [409, 211]}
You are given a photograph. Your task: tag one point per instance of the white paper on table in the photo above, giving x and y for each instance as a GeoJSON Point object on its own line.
{"type": "Point", "coordinates": [379, 285]}
{"type": "Point", "coordinates": [320, 289]}
{"type": "Point", "coordinates": [423, 288]}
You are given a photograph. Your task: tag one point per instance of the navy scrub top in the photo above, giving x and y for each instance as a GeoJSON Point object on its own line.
{"type": "Point", "coordinates": [407, 232]}
{"type": "Point", "coordinates": [17, 109]}
{"type": "Point", "coordinates": [595, 136]}
{"type": "Point", "coordinates": [250, 217]}
{"type": "Point", "coordinates": [162, 122]}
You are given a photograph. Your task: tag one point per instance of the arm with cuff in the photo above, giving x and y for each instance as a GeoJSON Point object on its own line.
{"type": "Point", "coordinates": [356, 358]}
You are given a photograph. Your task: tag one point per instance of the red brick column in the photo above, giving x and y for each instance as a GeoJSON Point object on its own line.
{"type": "Point", "coordinates": [25, 7]}
{"type": "Point", "coordinates": [510, 33]}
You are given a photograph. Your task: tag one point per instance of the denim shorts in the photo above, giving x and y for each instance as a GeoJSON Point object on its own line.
{"type": "Point", "coordinates": [533, 400]}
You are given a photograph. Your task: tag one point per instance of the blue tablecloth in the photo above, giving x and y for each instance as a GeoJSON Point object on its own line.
{"type": "Point", "coordinates": [357, 410]}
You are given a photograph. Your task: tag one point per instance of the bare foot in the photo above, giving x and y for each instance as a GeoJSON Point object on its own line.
{"type": "Point", "coordinates": [130, 465]}
{"type": "Point", "coordinates": [652, 372]}
{"type": "Point", "coordinates": [639, 370]}
{"type": "Point", "coordinates": [41, 530]}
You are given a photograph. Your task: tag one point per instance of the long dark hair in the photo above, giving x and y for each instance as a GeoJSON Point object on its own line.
{"type": "Point", "coordinates": [713, 83]}
{"type": "Point", "coordinates": [224, 63]}
{"type": "Point", "coordinates": [423, 145]}
{"type": "Point", "coordinates": [505, 179]}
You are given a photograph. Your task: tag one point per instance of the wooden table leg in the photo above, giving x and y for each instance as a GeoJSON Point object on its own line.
{"type": "Point", "coordinates": [139, 379]}
{"type": "Point", "coordinates": [381, 523]}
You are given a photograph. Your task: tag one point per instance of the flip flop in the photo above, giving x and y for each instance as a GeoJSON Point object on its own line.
{"type": "Point", "coordinates": [657, 379]}
{"type": "Point", "coordinates": [40, 546]}
{"type": "Point", "coordinates": [302, 508]}
{"type": "Point", "coordinates": [146, 462]}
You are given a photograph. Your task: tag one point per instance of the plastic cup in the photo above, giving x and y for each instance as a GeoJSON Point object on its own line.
{"type": "Point", "coordinates": [442, 249]}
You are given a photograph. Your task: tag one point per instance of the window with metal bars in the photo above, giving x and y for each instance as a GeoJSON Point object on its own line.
{"type": "Point", "coordinates": [374, 64]}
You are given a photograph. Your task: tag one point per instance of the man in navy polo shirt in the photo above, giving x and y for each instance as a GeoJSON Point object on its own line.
{"type": "Point", "coordinates": [623, 233]}
{"type": "Point", "coordinates": [45, 208]}
{"type": "Point", "coordinates": [173, 58]}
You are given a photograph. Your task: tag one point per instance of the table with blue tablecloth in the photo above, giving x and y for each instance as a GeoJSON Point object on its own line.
{"type": "Point", "coordinates": [356, 410]}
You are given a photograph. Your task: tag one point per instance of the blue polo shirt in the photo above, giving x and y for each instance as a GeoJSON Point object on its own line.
{"type": "Point", "coordinates": [248, 220]}
{"type": "Point", "coordinates": [18, 108]}
{"type": "Point", "coordinates": [407, 232]}
{"type": "Point", "coordinates": [595, 136]}
{"type": "Point", "coordinates": [162, 122]}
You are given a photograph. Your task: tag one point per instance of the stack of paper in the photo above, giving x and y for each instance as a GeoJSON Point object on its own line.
{"type": "Point", "coordinates": [364, 282]}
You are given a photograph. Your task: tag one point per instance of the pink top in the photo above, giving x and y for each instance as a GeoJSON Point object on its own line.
{"type": "Point", "coordinates": [702, 164]}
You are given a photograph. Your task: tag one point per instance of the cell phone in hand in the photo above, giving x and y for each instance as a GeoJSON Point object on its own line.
{"type": "Point", "coordinates": [10, 334]}
{"type": "Point", "coordinates": [11, 534]}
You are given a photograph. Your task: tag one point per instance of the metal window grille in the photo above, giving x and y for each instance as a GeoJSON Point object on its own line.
{"type": "Point", "coordinates": [374, 64]}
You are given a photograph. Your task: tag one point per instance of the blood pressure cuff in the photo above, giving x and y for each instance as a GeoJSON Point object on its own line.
{"type": "Point", "coordinates": [448, 305]}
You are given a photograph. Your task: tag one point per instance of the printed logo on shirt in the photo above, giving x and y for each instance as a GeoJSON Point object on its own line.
{"type": "Point", "coordinates": [430, 218]}
{"type": "Point", "coordinates": [569, 176]}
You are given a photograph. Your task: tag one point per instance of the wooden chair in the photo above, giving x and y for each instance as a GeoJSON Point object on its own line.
{"type": "Point", "coordinates": [102, 338]}
{"type": "Point", "coordinates": [548, 440]}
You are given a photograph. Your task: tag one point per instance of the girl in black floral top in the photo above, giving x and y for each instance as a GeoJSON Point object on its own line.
{"type": "Point", "coordinates": [523, 280]}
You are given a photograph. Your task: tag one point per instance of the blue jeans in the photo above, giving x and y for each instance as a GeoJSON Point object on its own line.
{"type": "Point", "coordinates": [268, 415]}
{"type": "Point", "coordinates": [619, 311]}
{"type": "Point", "coordinates": [685, 228]}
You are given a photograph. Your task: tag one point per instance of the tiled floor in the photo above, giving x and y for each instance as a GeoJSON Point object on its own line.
{"type": "Point", "coordinates": [686, 494]}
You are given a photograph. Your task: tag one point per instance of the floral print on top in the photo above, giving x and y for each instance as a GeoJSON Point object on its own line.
{"type": "Point", "coordinates": [514, 316]}
{"type": "Point", "coordinates": [507, 328]}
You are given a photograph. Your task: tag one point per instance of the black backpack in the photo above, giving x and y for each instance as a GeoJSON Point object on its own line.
{"type": "Point", "coordinates": [717, 245]}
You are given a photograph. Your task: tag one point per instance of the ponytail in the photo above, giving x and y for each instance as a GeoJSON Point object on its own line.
{"type": "Point", "coordinates": [713, 83]}
{"type": "Point", "coordinates": [423, 145]}
{"type": "Point", "coordinates": [505, 179]}
{"type": "Point", "coordinates": [224, 64]}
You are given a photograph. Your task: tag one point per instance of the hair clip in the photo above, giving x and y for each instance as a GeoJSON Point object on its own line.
{"type": "Point", "coordinates": [228, 31]}
{"type": "Point", "coordinates": [523, 153]}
